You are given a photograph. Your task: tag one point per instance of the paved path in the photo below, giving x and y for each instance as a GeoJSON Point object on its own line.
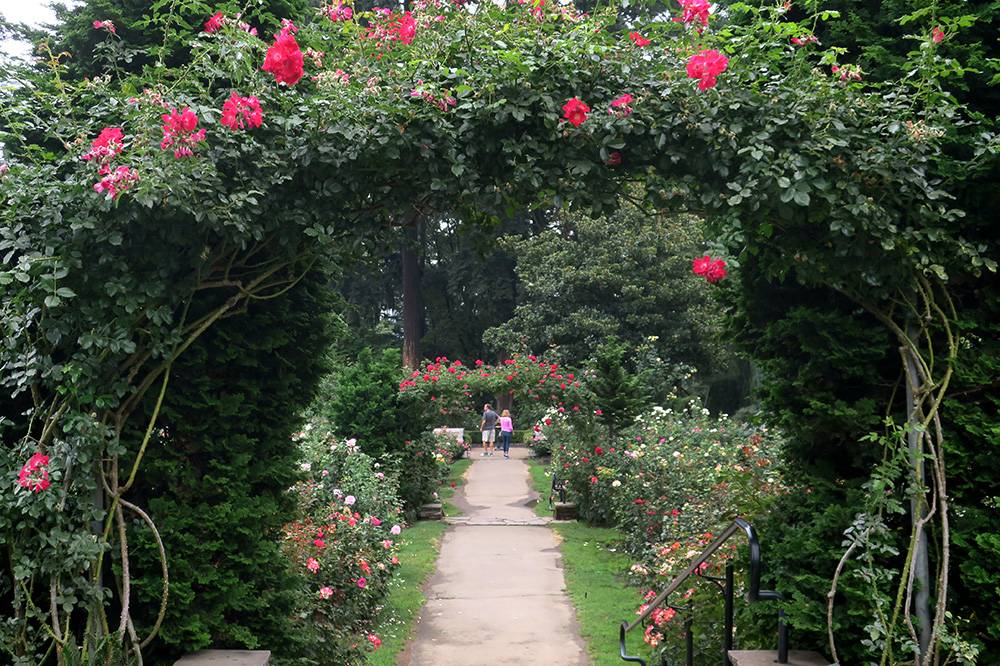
{"type": "Point", "coordinates": [498, 596]}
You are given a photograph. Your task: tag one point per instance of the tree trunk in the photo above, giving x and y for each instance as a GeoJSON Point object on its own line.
{"type": "Point", "coordinates": [413, 302]}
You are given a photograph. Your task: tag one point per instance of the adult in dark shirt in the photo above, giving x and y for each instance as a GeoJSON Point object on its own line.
{"type": "Point", "coordinates": [487, 427]}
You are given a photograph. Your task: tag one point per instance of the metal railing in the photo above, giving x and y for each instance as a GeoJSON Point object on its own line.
{"type": "Point", "coordinates": [726, 586]}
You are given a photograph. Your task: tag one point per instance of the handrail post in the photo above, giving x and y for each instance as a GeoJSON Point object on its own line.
{"type": "Point", "coordinates": [689, 638]}
{"type": "Point", "coordinates": [782, 637]}
{"type": "Point", "coordinates": [728, 596]}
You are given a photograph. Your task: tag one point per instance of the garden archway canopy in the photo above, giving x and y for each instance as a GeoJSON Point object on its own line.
{"type": "Point", "coordinates": [203, 206]}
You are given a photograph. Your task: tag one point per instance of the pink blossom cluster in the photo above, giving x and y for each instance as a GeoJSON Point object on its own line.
{"type": "Point", "coordinates": [638, 39]}
{"type": "Point", "coordinates": [34, 476]}
{"type": "Point", "coordinates": [694, 11]}
{"type": "Point", "coordinates": [390, 27]}
{"type": "Point", "coordinates": [215, 22]}
{"type": "Point", "coordinates": [575, 111]}
{"type": "Point", "coordinates": [706, 66]}
{"type": "Point", "coordinates": [180, 132]}
{"type": "Point", "coordinates": [106, 146]}
{"type": "Point", "coordinates": [241, 112]}
{"type": "Point", "coordinates": [284, 58]}
{"type": "Point", "coordinates": [105, 25]}
{"type": "Point", "coordinates": [805, 40]}
{"type": "Point", "coordinates": [103, 150]}
{"type": "Point", "coordinates": [712, 270]}
{"type": "Point", "coordinates": [339, 12]}
{"type": "Point", "coordinates": [117, 181]}
{"type": "Point", "coordinates": [847, 72]}
{"type": "Point", "coordinates": [620, 105]}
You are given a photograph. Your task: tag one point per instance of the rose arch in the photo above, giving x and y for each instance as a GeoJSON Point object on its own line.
{"type": "Point", "coordinates": [160, 209]}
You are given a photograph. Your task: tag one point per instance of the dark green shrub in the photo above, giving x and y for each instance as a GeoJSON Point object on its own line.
{"type": "Point", "coordinates": [216, 479]}
{"type": "Point", "coordinates": [366, 404]}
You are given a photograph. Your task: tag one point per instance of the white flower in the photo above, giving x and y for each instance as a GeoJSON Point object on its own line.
{"type": "Point", "coordinates": [349, 500]}
{"type": "Point", "coordinates": [616, 483]}
{"type": "Point", "coordinates": [306, 467]}
{"type": "Point", "coordinates": [396, 529]}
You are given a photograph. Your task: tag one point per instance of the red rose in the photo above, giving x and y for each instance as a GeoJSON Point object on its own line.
{"type": "Point", "coordinates": [638, 39]}
{"type": "Point", "coordinates": [575, 112]}
{"type": "Point", "coordinates": [705, 66]}
{"type": "Point", "coordinates": [284, 59]}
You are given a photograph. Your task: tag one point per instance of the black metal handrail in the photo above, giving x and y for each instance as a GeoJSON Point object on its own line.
{"type": "Point", "coordinates": [753, 594]}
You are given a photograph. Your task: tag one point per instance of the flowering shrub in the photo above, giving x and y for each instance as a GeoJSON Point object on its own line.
{"type": "Point", "coordinates": [669, 483]}
{"type": "Point", "coordinates": [343, 547]}
{"type": "Point", "coordinates": [421, 465]}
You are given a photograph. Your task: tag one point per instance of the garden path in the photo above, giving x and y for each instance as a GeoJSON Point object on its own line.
{"type": "Point", "coordinates": [498, 595]}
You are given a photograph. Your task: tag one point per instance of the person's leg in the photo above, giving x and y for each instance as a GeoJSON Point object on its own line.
{"type": "Point", "coordinates": [493, 442]}
{"type": "Point", "coordinates": [486, 439]}
{"type": "Point", "coordinates": [506, 444]}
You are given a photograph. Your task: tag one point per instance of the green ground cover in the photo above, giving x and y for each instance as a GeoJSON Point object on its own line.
{"type": "Point", "coordinates": [541, 480]}
{"type": "Point", "coordinates": [447, 492]}
{"type": "Point", "coordinates": [594, 570]}
{"type": "Point", "coordinates": [417, 556]}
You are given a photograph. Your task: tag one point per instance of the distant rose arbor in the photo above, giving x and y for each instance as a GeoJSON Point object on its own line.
{"type": "Point", "coordinates": [171, 204]}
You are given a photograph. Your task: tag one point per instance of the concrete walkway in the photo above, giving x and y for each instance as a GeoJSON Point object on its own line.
{"type": "Point", "coordinates": [498, 596]}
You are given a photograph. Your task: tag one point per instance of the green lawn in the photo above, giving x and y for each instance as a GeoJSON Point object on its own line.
{"type": "Point", "coordinates": [595, 581]}
{"type": "Point", "coordinates": [594, 578]}
{"type": "Point", "coordinates": [417, 556]}
{"type": "Point", "coordinates": [542, 481]}
{"type": "Point", "coordinates": [446, 492]}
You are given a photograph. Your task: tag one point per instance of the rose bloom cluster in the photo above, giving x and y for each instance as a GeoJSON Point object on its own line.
{"type": "Point", "coordinates": [34, 475]}
{"type": "Point", "coordinates": [284, 58]}
{"type": "Point", "coordinates": [181, 133]}
{"type": "Point", "coordinates": [241, 112]}
{"type": "Point", "coordinates": [103, 151]}
{"type": "Point", "coordinates": [712, 270]}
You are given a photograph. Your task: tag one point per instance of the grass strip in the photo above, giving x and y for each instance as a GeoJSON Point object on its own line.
{"type": "Point", "coordinates": [595, 579]}
{"type": "Point", "coordinates": [541, 480]}
{"type": "Point", "coordinates": [418, 553]}
{"type": "Point", "coordinates": [446, 492]}
{"type": "Point", "coordinates": [594, 574]}
{"type": "Point", "coordinates": [417, 556]}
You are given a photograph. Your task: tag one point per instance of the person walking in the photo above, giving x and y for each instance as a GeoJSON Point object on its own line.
{"type": "Point", "coordinates": [506, 431]}
{"type": "Point", "coordinates": [487, 426]}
